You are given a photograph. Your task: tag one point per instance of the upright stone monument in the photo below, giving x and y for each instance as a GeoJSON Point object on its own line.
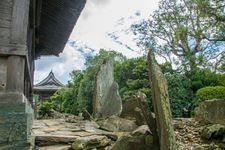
{"type": "Point", "coordinates": [107, 101]}
{"type": "Point", "coordinates": [113, 103]}
{"type": "Point", "coordinates": [161, 105]}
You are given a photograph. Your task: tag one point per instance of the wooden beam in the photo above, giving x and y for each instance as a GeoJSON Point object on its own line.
{"type": "Point", "coordinates": [15, 74]}
{"type": "Point", "coordinates": [12, 49]}
{"type": "Point", "coordinates": [19, 23]}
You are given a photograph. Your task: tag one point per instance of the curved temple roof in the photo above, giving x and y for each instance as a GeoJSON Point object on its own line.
{"type": "Point", "coordinates": [54, 24]}
{"type": "Point", "coordinates": [49, 83]}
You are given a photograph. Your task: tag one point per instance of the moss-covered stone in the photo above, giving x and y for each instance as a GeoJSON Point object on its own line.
{"type": "Point", "coordinates": [211, 111]}
{"type": "Point", "coordinates": [140, 142]}
{"type": "Point", "coordinates": [90, 142]}
{"type": "Point", "coordinates": [215, 131]}
{"type": "Point", "coordinates": [161, 105]}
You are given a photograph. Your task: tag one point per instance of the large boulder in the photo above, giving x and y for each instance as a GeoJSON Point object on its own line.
{"type": "Point", "coordinates": [141, 130]}
{"type": "Point", "coordinates": [137, 142]}
{"type": "Point", "coordinates": [137, 109]}
{"type": "Point", "coordinates": [215, 131]}
{"type": "Point", "coordinates": [132, 111]}
{"type": "Point", "coordinates": [90, 142]}
{"type": "Point", "coordinates": [211, 111]}
{"type": "Point", "coordinates": [115, 124]}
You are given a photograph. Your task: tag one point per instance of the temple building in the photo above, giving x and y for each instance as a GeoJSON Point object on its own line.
{"type": "Point", "coordinates": [47, 87]}
{"type": "Point", "coordinates": [29, 29]}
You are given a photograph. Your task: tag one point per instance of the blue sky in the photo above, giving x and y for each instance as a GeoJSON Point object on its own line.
{"type": "Point", "coordinates": [102, 24]}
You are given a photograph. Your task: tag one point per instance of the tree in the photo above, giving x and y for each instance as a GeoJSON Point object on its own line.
{"type": "Point", "coordinates": [213, 10]}
{"type": "Point", "coordinates": [178, 29]}
{"type": "Point", "coordinates": [77, 96]}
{"type": "Point", "coordinates": [101, 56]}
{"type": "Point", "coordinates": [65, 99]}
{"type": "Point", "coordinates": [180, 94]}
{"type": "Point", "coordinates": [132, 76]}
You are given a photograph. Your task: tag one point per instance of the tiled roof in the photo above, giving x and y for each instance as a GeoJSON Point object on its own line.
{"type": "Point", "coordinates": [49, 83]}
{"type": "Point", "coordinates": [55, 23]}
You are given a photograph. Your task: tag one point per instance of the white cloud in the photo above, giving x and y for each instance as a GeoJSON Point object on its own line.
{"type": "Point", "coordinates": [98, 18]}
{"type": "Point", "coordinates": [114, 15]}
{"type": "Point", "coordinates": [61, 66]}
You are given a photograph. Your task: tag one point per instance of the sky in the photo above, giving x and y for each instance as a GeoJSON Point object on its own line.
{"type": "Point", "coordinates": [102, 24]}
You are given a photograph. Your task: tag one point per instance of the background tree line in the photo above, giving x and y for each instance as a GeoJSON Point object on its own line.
{"type": "Point", "coordinates": [132, 76]}
{"type": "Point", "coordinates": [188, 34]}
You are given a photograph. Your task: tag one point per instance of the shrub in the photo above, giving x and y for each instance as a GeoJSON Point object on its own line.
{"type": "Point", "coordinates": [209, 92]}
{"type": "Point", "coordinates": [44, 108]}
{"type": "Point", "coordinates": [203, 77]}
{"type": "Point", "coordinates": [180, 94]}
{"type": "Point", "coordinates": [221, 79]}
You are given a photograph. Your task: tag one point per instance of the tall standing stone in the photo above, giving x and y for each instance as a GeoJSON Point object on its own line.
{"type": "Point", "coordinates": [161, 105]}
{"type": "Point", "coordinates": [107, 101]}
{"type": "Point", "coordinates": [112, 104]}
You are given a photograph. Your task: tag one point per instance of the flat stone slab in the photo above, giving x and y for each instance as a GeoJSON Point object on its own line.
{"type": "Point", "coordinates": [58, 131]}
{"type": "Point", "coordinates": [56, 147]}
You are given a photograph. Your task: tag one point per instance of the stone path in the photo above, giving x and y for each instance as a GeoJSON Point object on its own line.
{"type": "Point", "coordinates": [59, 134]}
{"type": "Point", "coordinates": [188, 136]}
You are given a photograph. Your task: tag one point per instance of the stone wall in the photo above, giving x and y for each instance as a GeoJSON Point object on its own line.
{"type": "Point", "coordinates": [16, 117]}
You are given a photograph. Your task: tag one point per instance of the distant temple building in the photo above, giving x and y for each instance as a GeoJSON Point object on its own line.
{"type": "Point", "coordinates": [47, 87]}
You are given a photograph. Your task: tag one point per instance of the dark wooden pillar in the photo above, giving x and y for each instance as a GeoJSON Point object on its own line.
{"type": "Point", "coordinates": [15, 74]}
{"type": "Point", "coordinates": [16, 113]}
{"type": "Point", "coordinates": [17, 46]}
{"type": "Point", "coordinates": [19, 24]}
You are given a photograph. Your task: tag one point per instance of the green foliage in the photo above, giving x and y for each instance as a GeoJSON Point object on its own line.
{"type": "Point", "coordinates": [44, 108]}
{"type": "Point", "coordinates": [185, 29]}
{"type": "Point", "coordinates": [167, 68]}
{"type": "Point", "coordinates": [204, 77]}
{"type": "Point", "coordinates": [86, 90]}
{"type": "Point", "coordinates": [180, 94]}
{"type": "Point", "coordinates": [101, 56]}
{"type": "Point", "coordinates": [210, 92]}
{"type": "Point", "coordinates": [87, 85]}
{"type": "Point", "coordinates": [132, 76]}
{"type": "Point", "coordinates": [221, 78]}
{"type": "Point", "coordinates": [213, 10]}
{"type": "Point", "coordinates": [65, 99]}
{"type": "Point", "coordinates": [78, 94]}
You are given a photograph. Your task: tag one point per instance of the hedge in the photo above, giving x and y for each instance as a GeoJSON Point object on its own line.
{"type": "Point", "coordinates": [209, 92]}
